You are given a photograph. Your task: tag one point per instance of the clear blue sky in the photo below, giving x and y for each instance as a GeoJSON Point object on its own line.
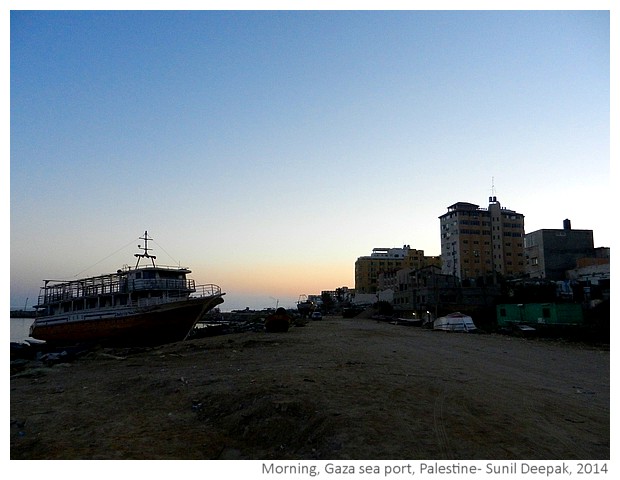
{"type": "Point", "coordinates": [267, 150]}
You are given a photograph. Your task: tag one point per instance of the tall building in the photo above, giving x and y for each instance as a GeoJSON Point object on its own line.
{"type": "Point", "coordinates": [386, 260]}
{"type": "Point", "coordinates": [477, 244]}
{"type": "Point", "coordinates": [550, 253]}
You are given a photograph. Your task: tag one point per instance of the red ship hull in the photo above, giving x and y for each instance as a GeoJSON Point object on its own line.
{"type": "Point", "coordinates": [165, 323]}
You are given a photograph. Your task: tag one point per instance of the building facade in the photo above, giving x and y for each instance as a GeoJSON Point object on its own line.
{"type": "Point", "coordinates": [430, 293]}
{"type": "Point", "coordinates": [551, 253]}
{"type": "Point", "coordinates": [386, 262]}
{"type": "Point", "coordinates": [478, 245]}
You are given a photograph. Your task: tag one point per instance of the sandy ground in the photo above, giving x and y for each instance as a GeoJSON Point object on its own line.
{"type": "Point", "coordinates": [333, 389]}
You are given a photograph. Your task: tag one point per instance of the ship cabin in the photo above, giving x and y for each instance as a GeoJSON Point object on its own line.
{"type": "Point", "coordinates": [140, 287]}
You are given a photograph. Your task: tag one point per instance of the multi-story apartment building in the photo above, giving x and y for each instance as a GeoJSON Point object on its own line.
{"type": "Point", "coordinates": [550, 253]}
{"type": "Point", "coordinates": [340, 295]}
{"type": "Point", "coordinates": [478, 243]}
{"type": "Point", "coordinates": [387, 261]}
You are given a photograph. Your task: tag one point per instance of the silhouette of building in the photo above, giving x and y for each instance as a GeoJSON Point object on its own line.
{"type": "Point", "coordinates": [551, 253]}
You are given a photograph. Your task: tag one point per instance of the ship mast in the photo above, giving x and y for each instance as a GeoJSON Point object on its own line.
{"type": "Point", "coordinates": [145, 254]}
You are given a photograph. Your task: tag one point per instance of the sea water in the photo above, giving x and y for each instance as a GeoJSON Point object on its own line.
{"type": "Point", "coordinates": [20, 329]}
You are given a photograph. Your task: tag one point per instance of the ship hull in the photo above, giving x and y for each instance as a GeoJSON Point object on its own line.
{"type": "Point", "coordinates": [164, 323]}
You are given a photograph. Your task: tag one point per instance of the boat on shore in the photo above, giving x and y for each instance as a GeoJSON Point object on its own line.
{"type": "Point", "coordinates": [305, 306]}
{"type": "Point", "coordinates": [279, 321]}
{"type": "Point", "coordinates": [455, 322]}
{"type": "Point", "coordinates": [147, 304]}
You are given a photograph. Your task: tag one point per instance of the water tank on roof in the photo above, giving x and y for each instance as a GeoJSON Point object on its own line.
{"type": "Point", "coordinates": [567, 224]}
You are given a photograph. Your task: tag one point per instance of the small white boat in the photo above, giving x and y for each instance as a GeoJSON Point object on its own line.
{"type": "Point", "coordinates": [455, 322]}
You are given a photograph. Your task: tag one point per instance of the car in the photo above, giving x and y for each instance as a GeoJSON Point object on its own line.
{"type": "Point", "coordinates": [316, 316]}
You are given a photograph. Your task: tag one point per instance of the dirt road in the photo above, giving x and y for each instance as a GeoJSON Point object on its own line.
{"type": "Point", "coordinates": [333, 389]}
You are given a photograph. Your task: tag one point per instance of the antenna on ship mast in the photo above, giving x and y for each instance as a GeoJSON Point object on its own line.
{"type": "Point", "coordinates": [146, 250]}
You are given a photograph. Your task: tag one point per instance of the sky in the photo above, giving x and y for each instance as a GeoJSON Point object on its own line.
{"type": "Point", "coordinates": [267, 150]}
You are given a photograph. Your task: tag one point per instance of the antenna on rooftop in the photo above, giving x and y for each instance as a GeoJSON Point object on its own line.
{"type": "Point", "coordinates": [492, 198]}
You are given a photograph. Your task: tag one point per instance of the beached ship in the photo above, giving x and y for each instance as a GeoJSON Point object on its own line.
{"type": "Point", "coordinates": [147, 304]}
{"type": "Point", "coordinates": [305, 306]}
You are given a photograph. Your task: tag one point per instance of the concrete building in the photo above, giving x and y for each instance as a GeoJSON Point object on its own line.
{"type": "Point", "coordinates": [594, 280]}
{"type": "Point", "coordinates": [430, 293]}
{"type": "Point", "coordinates": [418, 289]}
{"type": "Point", "coordinates": [551, 253]}
{"type": "Point", "coordinates": [340, 295]}
{"type": "Point", "coordinates": [368, 269]}
{"type": "Point", "coordinates": [478, 244]}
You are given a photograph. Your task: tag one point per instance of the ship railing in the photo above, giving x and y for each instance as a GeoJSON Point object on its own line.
{"type": "Point", "coordinates": [175, 268]}
{"type": "Point", "coordinates": [207, 290]}
{"type": "Point", "coordinates": [187, 285]}
{"type": "Point", "coordinates": [57, 291]}
{"type": "Point", "coordinates": [73, 290]}
{"type": "Point", "coordinates": [69, 291]}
